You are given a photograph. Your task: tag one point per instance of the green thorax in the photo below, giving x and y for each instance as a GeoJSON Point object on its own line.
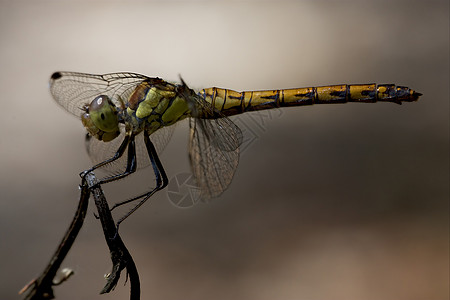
{"type": "Point", "coordinates": [154, 104]}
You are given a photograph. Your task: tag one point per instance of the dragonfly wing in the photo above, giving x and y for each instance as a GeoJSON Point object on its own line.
{"type": "Point", "coordinates": [73, 90]}
{"type": "Point", "coordinates": [214, 142]}
{"type": "Point", "coordinates": [161, 138]}
{"type": "Point", "coordinates": [214, 154]}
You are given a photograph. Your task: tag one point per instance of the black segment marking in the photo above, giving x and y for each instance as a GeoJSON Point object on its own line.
{"type": "Point", "coordinates": [340, 94]}
{"type": "Point", "coordinates": [249, 106]}
{"type": "Point", "coordinates": [369, 93]}
{"type": "Point", "coordinates": [273, 97]}
{"type": "Point", "coordinates": [213, 97]}
{"type": "Point", "coordinates": [277, 100]}
{"type": "Point", "coordinates": [307, 95]}
{"type": "Point", "coordinates": [224, 100]}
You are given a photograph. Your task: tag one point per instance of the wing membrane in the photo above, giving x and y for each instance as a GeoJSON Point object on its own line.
{"type": "Point", "coordinates": [212, 166]}
{"type": "Point", "coordinates": [213, 148]}
{"type": "Point", "coordinates": [73, 90]}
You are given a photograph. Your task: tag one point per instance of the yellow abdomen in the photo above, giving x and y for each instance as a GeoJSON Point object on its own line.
{"type": "Point", "coordinates": [230, 102]}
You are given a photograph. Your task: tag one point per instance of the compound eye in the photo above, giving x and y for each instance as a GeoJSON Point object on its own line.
{"type": "Point", "coordinates": [104, 114]}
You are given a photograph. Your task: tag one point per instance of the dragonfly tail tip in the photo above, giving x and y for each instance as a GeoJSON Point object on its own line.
{"type": "Point", "coordinates": [415, 96]}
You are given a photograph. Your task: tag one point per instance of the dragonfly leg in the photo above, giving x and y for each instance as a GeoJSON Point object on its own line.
{"type": "Point", "coordinates": [161, 180]}
{"type": "Point", "coordinates": [116, 156]}
{"type": "Point", "coordinates": [131, 164]}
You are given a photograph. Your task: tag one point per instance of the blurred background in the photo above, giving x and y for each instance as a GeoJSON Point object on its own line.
{"type": "Point", "coordinates": [329, 202]}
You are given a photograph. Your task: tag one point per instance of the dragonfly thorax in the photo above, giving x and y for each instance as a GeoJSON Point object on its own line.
{"type": "Point", "coordinates": [154, 104]}
{"type": "Point", "coordinates": [100, 119]}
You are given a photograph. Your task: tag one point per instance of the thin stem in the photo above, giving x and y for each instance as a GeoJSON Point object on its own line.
{"type": "Point", "coordinates": [120, 256]}
{"type": "Point", "coordinates": [42, 286]}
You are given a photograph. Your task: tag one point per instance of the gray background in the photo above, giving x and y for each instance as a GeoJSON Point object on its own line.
{"type": "Point", "coordinates": [329, 202]}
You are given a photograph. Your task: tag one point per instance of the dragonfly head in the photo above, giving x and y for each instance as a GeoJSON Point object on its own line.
{"type": "Point", "coordinates": [100, 119]}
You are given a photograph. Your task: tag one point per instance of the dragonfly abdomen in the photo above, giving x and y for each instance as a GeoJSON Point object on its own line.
{"type": "Point", "coordinates": [230, 102]}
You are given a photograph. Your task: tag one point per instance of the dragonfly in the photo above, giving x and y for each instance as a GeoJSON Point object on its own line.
{"type": "Point", "coordinates": [128, 112]}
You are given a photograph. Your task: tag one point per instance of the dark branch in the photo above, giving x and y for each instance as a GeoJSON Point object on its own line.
{"type": "Point", "coordinates": [120, 256]}
{"type": "Point", "coordinates": [41, 287]}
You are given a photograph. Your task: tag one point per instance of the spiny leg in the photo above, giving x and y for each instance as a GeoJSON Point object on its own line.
{"type": "Point", "coordinates": [116, 156]}
{"type": "Point", "coordinates": [161, 180]}
{"type": "Point", "coordinates": [131, 163]}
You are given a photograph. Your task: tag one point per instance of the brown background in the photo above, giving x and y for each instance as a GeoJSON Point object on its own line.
{"type": "Point", "coordinates": [329, 202]}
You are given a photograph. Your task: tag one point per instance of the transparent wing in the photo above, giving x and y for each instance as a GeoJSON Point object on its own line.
{"type": "Point", "coordinates": [213, 148]}
{"type": "Point", "coordinates": [73, 90]}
